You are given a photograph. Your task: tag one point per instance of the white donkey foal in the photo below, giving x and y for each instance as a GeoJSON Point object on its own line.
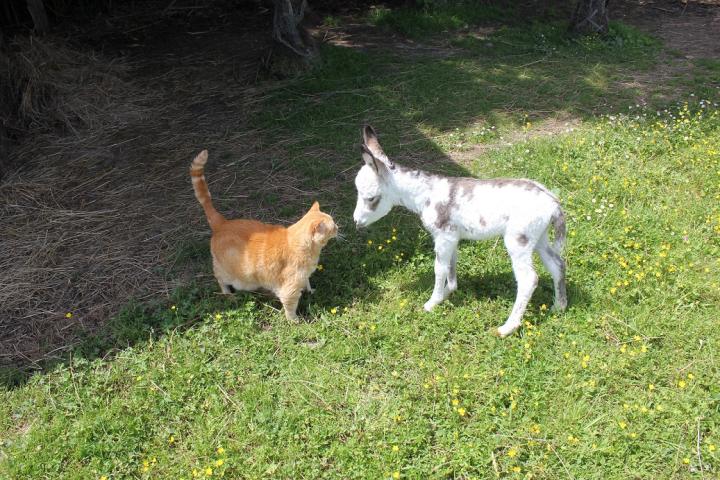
{"type": "Point", "coordinates": [453, 209]}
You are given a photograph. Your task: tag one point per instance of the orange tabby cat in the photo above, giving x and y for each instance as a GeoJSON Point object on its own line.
{"type": "Point", "coordinates": [248, 255]}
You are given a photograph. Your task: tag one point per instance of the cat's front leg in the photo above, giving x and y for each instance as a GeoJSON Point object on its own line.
{"type": "Point", "coordinates": [290, 297]}
{"type": "Point", "coordinates": [308, 287]}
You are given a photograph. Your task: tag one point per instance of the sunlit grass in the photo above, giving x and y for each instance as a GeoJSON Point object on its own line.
{"type": "Point", "coordinates": [625, 384]}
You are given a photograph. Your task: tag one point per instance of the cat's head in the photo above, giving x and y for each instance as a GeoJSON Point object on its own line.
{"type": "Point", "coordinates": [321, 225]}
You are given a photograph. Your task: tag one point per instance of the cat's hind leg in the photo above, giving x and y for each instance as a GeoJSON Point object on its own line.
{"type": "Point", "coordinates": [226, 284]}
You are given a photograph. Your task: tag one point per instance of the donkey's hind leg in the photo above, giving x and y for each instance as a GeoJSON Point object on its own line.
{"type": "Point", "coordinates": [520, 249]}
{"type": "Point", "coordinates": [452, 273]}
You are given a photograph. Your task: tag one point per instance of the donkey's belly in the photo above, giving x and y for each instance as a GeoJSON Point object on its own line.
{"type": "Point", "coordinates": [479, 232]}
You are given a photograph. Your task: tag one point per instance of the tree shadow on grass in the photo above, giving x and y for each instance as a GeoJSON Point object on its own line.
{"type": "Point", "coordinates": [485, 86]}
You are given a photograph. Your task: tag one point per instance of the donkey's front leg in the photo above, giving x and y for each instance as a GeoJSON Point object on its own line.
{"type": "Point", "coordinates": [445, 250]}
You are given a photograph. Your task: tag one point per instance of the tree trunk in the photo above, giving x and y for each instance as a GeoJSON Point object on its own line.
{"type": "Point", "coordinates": [294, 49]}
{"type": "Point", "coordinates": [590, 16]}
{"type": "Point", "coordinates": [39, 17]}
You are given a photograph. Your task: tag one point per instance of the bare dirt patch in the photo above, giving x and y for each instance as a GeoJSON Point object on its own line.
{"type": "Point", "coordinates": [690, 28]}
{"type": "Point", "coordinates": [546, 128]}
{"type": "Point", "coordinates": [690, 31]}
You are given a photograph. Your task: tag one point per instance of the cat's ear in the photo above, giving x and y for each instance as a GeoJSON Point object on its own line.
{"type": "Point", "coordinates": [319, 227]}
{"type": "Point", "coordinates": [315, 207]}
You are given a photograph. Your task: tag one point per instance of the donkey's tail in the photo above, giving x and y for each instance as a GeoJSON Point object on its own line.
{"type": "Point", "coordinates": [558, 221]}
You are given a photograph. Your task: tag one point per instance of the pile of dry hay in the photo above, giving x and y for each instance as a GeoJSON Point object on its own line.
{"type": "Point", "coordinates": [63, 105]}
{"type": "Point", "coordinates": [99, 200]}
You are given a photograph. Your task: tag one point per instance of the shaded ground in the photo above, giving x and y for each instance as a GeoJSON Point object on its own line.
{"type": "Point", "coordinates": [692, 29]}
{"type": "Point", "coordinates": [91, 216]}
{"type": "Point", "coordinates": [103, 216]}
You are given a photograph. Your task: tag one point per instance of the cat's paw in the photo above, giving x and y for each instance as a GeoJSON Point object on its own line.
{"type": "Point", "coordinates": [310, 290]}
{"type": "Point", "coordinates": [292, 318]}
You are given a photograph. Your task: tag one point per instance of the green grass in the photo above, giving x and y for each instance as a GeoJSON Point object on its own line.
{"type": "Point", "coordinates": [434, 18]}
{"type": "Point", "coordinates": [620, 386]}
{"type": "Point", "coordinates": [483, 89]}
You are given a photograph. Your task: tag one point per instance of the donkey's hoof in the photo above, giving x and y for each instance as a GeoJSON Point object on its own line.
{"type": "Point", "coordinates": [506, 330]}
{"type": "Point", "coordinates": [559, 306]}
{"type": "Point", "coordinates": [429, 305]}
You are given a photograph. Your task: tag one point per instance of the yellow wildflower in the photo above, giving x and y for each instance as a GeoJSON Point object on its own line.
{"type": "Point", "coordinates": [68, 315]}
{"type": "Point", "coordinates": [208, 472]}
{"type": "Point", "coordinates": [396, 474]}
{"type": "Point", "coordinates": [512, 453]}
{"type": "Point", "coordinates": [395, 448]}
{"type": "Point", "coordinates": [219, 462]}
{"type": "Point", "coordinates": [220, 450]}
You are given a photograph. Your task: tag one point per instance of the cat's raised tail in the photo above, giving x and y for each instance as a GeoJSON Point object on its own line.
{"type": "Point", "coordinates": [197, 175]}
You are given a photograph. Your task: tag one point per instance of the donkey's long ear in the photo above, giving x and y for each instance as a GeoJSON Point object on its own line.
{"type": "Point", "coordinates": [369, 160]}
{"type": "Point", "coordinates": [372, 145]}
